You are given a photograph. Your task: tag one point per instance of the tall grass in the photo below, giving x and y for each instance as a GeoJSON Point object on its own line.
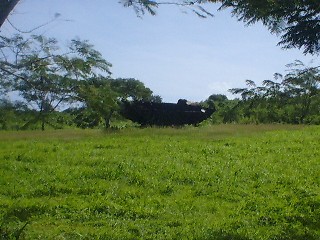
{"type": "Point", "coordinates": [220, 182]}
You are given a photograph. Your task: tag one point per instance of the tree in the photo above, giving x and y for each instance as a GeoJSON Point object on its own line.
{"type": "Point", "coordinates": [297, 22]}
{"type": "Point", "coordinates": [131, 89]}
{"type": "Point", "coordinates": [225, 109]}
{"type": "Point", "coordinates": [44, 77]}
{"type": "Point", "coordinates": [102, 96]}
{"type": "Point", "coordinates": [99, 101]}
{"type": "Point", "coordinates": [215, 98]}
{"type": "Point", "coordinates": [6, 6]}
{"type": "Point", "coordinates": [302, 86]}
{"type": "Point", "coordinates": [293, 100]}
{"type": "Point", "coordinates": [6, 113]}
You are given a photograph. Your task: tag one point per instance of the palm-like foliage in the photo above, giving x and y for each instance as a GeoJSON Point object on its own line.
{"type": "Point", "coordinates": [293, 100]}
{"type": "Point", "coordinates": [42, 75]}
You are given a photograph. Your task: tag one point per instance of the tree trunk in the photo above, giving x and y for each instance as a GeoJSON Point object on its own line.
{"type": "Point", "coordinates": [42, 123]}
{"type": "Point", "coordinates": [107, 120]}
{"type": "Point", "coordinates": [5, 9]}
{"type": "Point", "coordinates": [306, 102]}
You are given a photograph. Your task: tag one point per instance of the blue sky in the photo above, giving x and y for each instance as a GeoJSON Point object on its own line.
{"type": "Point", "coordinates": [176, 54]}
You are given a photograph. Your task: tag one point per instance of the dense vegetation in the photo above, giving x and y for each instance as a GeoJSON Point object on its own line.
{"type": "Point", "coordinates": [218, 182]}
{"type": "Point", "coordinates": [293, 98]}
{"type": "Point", "coordinates": [48, 78]}
{"type": "Point", "coordinates": [73, 88]}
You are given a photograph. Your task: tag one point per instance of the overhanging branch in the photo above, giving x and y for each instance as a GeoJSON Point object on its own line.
{"type": "Point", "coordinates": [5, 9]}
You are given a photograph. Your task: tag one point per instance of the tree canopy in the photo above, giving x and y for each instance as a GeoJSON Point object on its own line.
{"type": "Point", "coordinates": [6, 6]}
{"type": "Point", "coordinates": [296, 22]}
{"type": "Point", "coordinates": [42, 74]}
{"type": "Point", "coordinates": [46, 76]}
{"type": "Point", "coordinates": [291, 98]}
{"type": "Point", "coordinates": [102, 96]}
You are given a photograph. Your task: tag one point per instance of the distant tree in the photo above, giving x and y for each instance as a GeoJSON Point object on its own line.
{"type": "Point", "coordinates": [302, 87]}
{"type": "Point", "coordinates": [12, 113]}
{"type": "Point", "coordinates": [6, 113]}
{"type": "Point", "coordinates": [293, 100]}
{"type": "Point", "coordinates": [44, 77]}
{"type": "Point", "coordinates": [101, 97]}
{"type": "Point", "coordinates": [131, 89]}
{"type": "Point", "coordinates": [256, 106]}
{"type": "Point", "coordinates": [156, 99]}
{"type": "Point", "coordinates": [99, 102]}
{"type": "Point", "coordinates": [215, 99]}
{"type": "Point", "coordinates": [225, 108]}
{"type": "Point", "coordinates": [218, 97]}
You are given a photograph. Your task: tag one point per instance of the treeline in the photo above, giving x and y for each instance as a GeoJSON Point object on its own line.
{"type": "Point", "coordinates": [60, 87]}
{"type": "Point", "coordinates": [73, 87]}
{"type": "Point", "coordinates": [293, 98]}
{"type": "Point", "coordinates": [98, 104]}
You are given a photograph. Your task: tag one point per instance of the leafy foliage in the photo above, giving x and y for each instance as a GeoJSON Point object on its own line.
{"type": "Point", "coordinates": [43, 76]}
{"type": "Point", "coordinates": [140, 6]}
{"type": "Point", "coordinates": [226, 110]}
{"type": "Point", "coordinates": [103, 96]}
{"type": "Point", "coordinates": [297, 22]}
{"type": "Point", "coordinates": [47, 78]}
{"type": "Point", "coordinates": [294, 100]}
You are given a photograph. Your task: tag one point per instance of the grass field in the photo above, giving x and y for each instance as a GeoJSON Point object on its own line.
{"type": "Point", "coordinates": [218, 182]}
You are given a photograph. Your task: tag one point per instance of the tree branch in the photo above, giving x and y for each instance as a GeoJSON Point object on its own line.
{"type": "Point", "coordinates": [6, 7]}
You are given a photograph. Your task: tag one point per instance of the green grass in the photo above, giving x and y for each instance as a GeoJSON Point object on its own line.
{"type": "Point", "coordinates": [218, 182]}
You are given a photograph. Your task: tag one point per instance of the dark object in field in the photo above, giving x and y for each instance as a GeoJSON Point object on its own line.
{"type": "Point", "coordinates": [165, 114]}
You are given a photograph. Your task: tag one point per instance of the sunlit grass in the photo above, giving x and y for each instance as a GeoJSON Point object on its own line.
{"type": "Point", "coordinates": [214, 131]}
{"type": "Point", "coordinates": [212, 182]}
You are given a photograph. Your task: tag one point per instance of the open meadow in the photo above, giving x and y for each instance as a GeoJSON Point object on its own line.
{"type": "Point", "coordinates": [212, 182]}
